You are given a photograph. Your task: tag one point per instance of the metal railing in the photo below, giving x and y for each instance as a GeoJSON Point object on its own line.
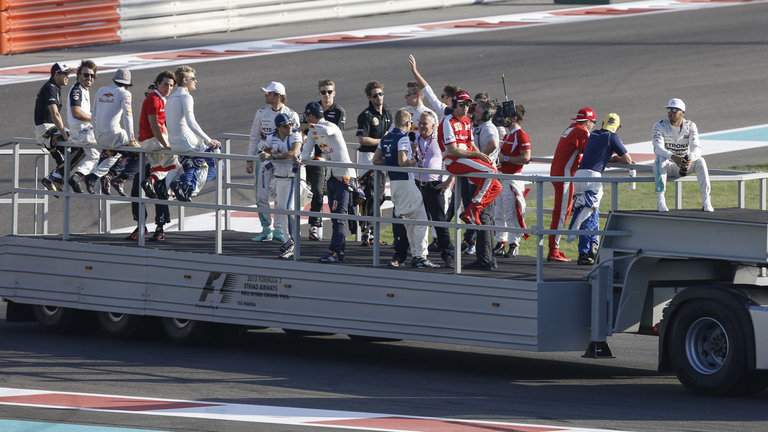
{"type": "Point", "coordinates": [223, 186]}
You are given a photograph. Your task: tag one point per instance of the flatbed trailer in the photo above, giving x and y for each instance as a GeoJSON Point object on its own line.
{"type": "Point", "coordinates": [714, 332]}
{"type": "Point", "coordinates": [700, 278]}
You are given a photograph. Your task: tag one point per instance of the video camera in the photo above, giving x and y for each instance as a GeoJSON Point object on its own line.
{"type": "Point", "coordinates": [507, 110]}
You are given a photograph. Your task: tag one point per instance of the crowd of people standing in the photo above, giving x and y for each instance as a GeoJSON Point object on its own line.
{"type": "Point", "coordinates": [460, 134]}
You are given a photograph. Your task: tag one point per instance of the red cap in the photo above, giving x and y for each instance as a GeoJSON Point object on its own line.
{"type": "Point", "coordinates": [461, 97]}
{"type": "Point", "coordinates": [585, 114]}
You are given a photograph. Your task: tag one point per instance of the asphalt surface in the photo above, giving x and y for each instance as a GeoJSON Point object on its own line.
{"type": "Point", "coordinates": [714, 59]}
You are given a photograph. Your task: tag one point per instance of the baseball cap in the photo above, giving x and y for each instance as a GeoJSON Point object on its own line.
{"type": "Point", "coordinates": [585, 114]}
{"type": "Point", "coordinates": [315, 109]}
{"type": "Point", "coordinates": [282, 119]}
{"type": "Point", "coordinates": [612, 122]}
{"type": "Point", "coordinates": [122, 76]}
{"type": "Point", "coordinates": [61, 67]}
{"type": "Point", "coordinates": [276, 87]}
{"type": "Point", "coordinates": [461, 97]}
{"type": "Point", "coordinates": [676, 103]}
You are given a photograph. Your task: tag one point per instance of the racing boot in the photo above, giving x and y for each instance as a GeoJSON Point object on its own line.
{"type": "Point", "coordinates": [265, 236]}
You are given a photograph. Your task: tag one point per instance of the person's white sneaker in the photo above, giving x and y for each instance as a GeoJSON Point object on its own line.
{"type": "Point", "coordinates": [707, 206]}
{"type": "Point", "coordinates": [662, 203]}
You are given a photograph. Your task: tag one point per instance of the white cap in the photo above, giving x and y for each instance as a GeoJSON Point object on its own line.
{"type": "Point", "coordinates": [276, 87]}
{"type": "Point", "coordinates": [62, 67]}
{"type": "Point", "coordinates": [676, 103]}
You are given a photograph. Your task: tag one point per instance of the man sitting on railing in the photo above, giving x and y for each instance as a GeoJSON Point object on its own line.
{"type": "Point", "coordinates": [79, 120]}
{"type": "Point", "coordinates": [678, 152]}
{"type": "Point", "coordinates": [49, 125]}
{"type": "Point", "coordinates": [112, 104]}
{"type": "Point", "coordinates": [185, 135]}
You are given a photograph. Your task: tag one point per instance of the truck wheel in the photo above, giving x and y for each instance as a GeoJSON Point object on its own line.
{"type": "Point", "coordinates": [119, 325]}
{"type": "Point", "coordinates": [55, 319]}
{"type": "Point", "coordinates": [184, 331]}
{"type": "Point", "coordinates": [708, 350]}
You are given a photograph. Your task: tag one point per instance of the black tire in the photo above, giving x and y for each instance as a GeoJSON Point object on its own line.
{"type": "Point", "coordinates": [120, 325]}
{"type": "Point", "coordinates": [708, 351]}
{"type": "Point", "coordinates": [186, 332]}
{"type": "Point", "coordinates": [56, 319]}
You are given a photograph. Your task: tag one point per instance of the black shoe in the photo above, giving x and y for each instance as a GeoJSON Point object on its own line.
{"type": "Point", "coordinates": [433, 247]}
{"type": "Point", "coordinates": [74, 182]}
{"type": "Point", "coordinates": [149, 187]}
{"type": "Point", "coordinates": [477, 265]}
{"type": "Point", "coordinates": [161, 190]}
{"type": "Point", "coordinates": [585, 259]}
{"type": "Point", "coordinates": [396, 261]}
{"type": "Point", "coordinates": [286, 250]}
{"type": "Point", "coordinates": [423, 262]}
{"type": "Point", "coordinates": [513, 250]}
{"type": "Point", "coordinates": [90, 183]}
{"type": "Point", "coordinates": [118, 185]}
{"type": "Point", "coordinates": [176, 191]}
{"type": "Point", "coordinates": [158, 235]}
{"type": "Point", "coordinates": [448, 260]}
{"type": "Point", "coordinates": [135, 234]}
{"type": "Point", "coordinates": [333, 258]}
{"type": "Point", "coordinates": [500, 249]}
{"type": "Point", "coordinates": [106, 184]}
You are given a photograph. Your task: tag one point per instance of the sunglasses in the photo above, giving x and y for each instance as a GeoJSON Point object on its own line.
{"type": "Point", "coordinates": [464, 104]}
{"type": "Point", "coordinates": [411, 94]}
{"type": "Point", "coordinates": [673, 110]}
{"type": "Point", "coordinates": [326, 92]}
{"type": "Point", "coordinates": [377, 95]}
{"type": "Point", "coordinates": [87, 75]}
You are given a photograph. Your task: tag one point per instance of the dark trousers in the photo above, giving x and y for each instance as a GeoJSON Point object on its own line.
{"type": "Point", "coordinates": [338, 201]}
{"type": "Point", "coordinates": [434, 204]}
{"type": "Point", "coordinates": [485, 239]}
{"type": "Point", "coordinates": [162, 213]}
{"type": "Point", "coordinates": [315, 178]}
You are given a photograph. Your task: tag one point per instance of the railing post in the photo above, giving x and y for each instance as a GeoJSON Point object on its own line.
{"type": "Point", "coordinates": [295, 220]}
{"type": "Point", "coordinates": [67, 190]}
{"type": "Point", "coordinates": [15, 194]}
{"type": "Point", "coordinates": [228, 181]}
{"type": "Point", "coordinates": [741, 196]}
{"type": "Point", "coordinates": [217, 212]}
{"type": "Point", "coordinates": [376, 214]}
{"type": "Point", "coordinates": [457, 231]}
{"type": "Point", "coordinates": [142, 208]}
{"type": "Point", "coordinates": [678, 195]}
{"type": "Point", "coordinates": [540, 227]}
{"type": "Point", "coordinates": [46, 199]}
{"type": "Point", "coordinates": [762, 193]}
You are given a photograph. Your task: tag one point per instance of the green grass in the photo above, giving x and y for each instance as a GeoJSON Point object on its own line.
{"type": "Point", "coordinates": [724, 194]}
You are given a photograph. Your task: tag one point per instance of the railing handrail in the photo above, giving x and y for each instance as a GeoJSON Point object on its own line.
{"type": "Point", "coordinates": [224, 159]}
